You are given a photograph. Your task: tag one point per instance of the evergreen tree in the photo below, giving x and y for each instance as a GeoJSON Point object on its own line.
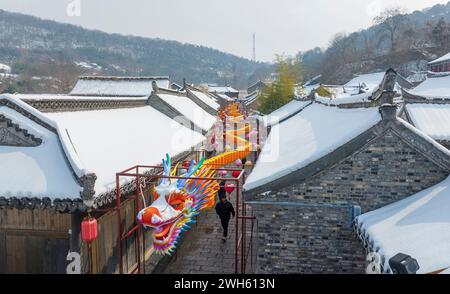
{"type": "Point", "coordinates": [281, 91]}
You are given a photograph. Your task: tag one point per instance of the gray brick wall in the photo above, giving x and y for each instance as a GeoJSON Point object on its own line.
{"type": "Point", "coordinates": [307, 239]}
{"type": "Point", "coordinates": [383, 172]}
{"type": "Point", "coordinates": [62, 105]}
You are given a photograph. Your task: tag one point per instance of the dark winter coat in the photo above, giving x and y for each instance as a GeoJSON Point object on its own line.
{"type": "Point", "coordinates": [225, 210]}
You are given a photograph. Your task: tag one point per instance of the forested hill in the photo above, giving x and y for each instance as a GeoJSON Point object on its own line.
{"type": "Point", "coordinates": [30, 43]}
{"type": "Point", "coordinates": [416, 38]}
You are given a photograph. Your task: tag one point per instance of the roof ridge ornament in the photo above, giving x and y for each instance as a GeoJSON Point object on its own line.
{"type": "Point", "coordinates": [388, 109]}
{"type": "Point", "coordinates": [388, 112]}
{"type": "Point", "coordinates": [385, 92]}
{"type": "Point", "coordinates": [88, 193]}
{"type": "Point", "coordinates": [155, 87]}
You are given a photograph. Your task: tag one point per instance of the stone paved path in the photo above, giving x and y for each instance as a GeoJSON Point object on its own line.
{"type": "Point", "coordinates": [203, 252]}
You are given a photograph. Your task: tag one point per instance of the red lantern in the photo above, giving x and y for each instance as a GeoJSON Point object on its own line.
{"type": "Point", "coordinates": [236, 173]}
{"type": "Point", "coordinates": [229, 188]}
{"type": "Point", "coordinates": [89, 229]}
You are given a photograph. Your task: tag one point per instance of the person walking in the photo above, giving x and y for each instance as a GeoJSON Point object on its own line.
{"type": "Point", "coordinates": [225, 211]}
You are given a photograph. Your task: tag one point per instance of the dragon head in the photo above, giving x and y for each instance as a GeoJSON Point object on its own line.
{"type": "Point", "coordinates": [174, 206]}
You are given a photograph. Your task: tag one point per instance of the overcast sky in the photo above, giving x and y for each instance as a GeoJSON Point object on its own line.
{"type": "Point", "coordinates": [281, 26]}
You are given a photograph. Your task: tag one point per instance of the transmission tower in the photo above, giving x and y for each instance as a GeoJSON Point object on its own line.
{"type": "Point", "coordinates": [254, 47]}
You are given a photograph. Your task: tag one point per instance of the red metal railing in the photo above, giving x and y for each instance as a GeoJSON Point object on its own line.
{"type": "Point", "coordinates": [244, 249]}
{"type": "Point", "coordinates": [139, 233]}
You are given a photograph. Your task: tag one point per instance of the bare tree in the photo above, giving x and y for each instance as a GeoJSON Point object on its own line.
{"type": "Point", "coordinates": [336, 55]}
{"type": "Point", "coordinates": [440, 32]}
{"type": "Point", "coordinates": [391, 21]}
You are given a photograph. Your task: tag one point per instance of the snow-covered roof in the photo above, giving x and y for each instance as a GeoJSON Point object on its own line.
{"type": "Point", "coordinates": [433, 88]}
{"type": "Point", "coordinates": [314, 81]}
{"type": "Point", "coordinates": [285, 111]}
{"type": "Point", "coordinates": [432, 119]}
{"type": "Point", "coordinates": [255, 83]}
{"type": "Point", "coordinates": [306, 137]}
{"type": "Point", "coordinates": [40, 171]}
{"type": "Point", "coordinates": [118, 86]}
{"type": "Point", "coordinates": [306, 89]}
{"type": "Point", "coordinates": [109, 141]}
{"type": "Point", "coordinates": [222, 89]}
{"type": "Point", "coordinates": [418, 226]}
{"type": "Point", "coordinates": [176, 86]}
{"type": "Point", "coordinates": [37, 97]}
{"type": "Point", "coordinates": [190, 110]}
{"type": "Point", "coordinates": [425, 137]}
{"type": "Point", "coordinates": [417, 77]}
{"type": "Point", "coordinates": [251, 98]}
{"type": "Point", "coordinates": [372, 81]}
{"type": "Point", "coordinates": [75, 144]}
{"type": "Point", "coordinates": [446, 57]}
{"type": "Point", "coordinates": [224, 97]}
{"type": "Point", "coordinates": [206, 99]}
{"type": "Point", "coordinates": [344, 99]}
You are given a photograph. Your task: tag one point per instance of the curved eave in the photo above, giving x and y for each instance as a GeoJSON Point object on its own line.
{"type": "Point", "coordinates": [413, 137]}
{"type": "Point", "coordinates": [409, 97]}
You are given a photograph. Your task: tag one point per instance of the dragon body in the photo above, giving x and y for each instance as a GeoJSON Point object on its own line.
{"type": "Point", "coordinates": [177, 202]}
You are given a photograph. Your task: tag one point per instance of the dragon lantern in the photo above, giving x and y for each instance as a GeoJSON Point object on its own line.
{"type": "Point", "coordinates": [177, 202]}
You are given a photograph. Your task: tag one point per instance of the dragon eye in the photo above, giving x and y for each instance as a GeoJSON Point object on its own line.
{"type": "Point", "coordinates": [156, 219]}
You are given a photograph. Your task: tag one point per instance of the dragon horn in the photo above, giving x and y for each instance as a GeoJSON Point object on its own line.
{"type": "Point", "coordinates": [163, 180]}
{"type": "Point", "coordinates": [174, 170]}
{"type": "Point", "coordinates": [191, 171]}
{"type": "Point", "coordinates": [169, 163]}
{"type": "Point", "coordinates": [167, 166]}
{"type": "Point", "coordinates": [198, 166]}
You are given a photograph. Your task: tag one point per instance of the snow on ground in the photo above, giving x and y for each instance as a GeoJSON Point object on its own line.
{"type": "Point", "coordinates": [432, 119]}
{"type": "Point", "coordinates": [190, 110]}
{"type": "Point", "coordinates": [434, 88]}
{"type": "Point", "coordinates": [8, 76]}
{"type": "Point", "coordinates": [206, 99]}
{"type": "Point", "coordinates": [35, 171]}
{"type": "Point", "coordinates": [306, 137]}
{"type": "Point", "coordinates": [418, 226]}
{"type": "Point", "coordinates": [285, 111]}
{"type": "Point", "coordinates": [88, 65]}
{"type": "Point", "coordinates": [109, 141]}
